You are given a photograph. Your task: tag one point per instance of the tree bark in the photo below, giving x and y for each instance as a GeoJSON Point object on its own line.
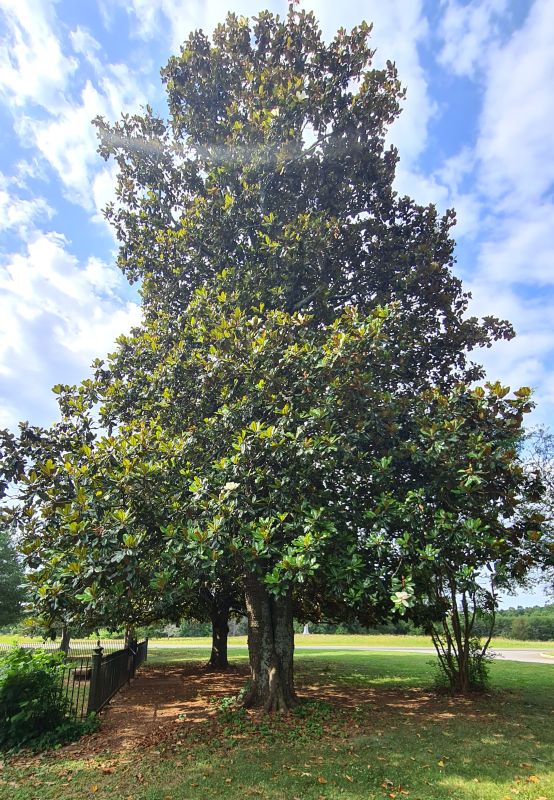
{"type": "Point", "coordinates": [66, 638]}
{"type": "Point", "coordinates": [270, 648]}
{"type": "Point", "coordinates": [220, 630]}
{"type": "Point", "coordinates": [129, 636]}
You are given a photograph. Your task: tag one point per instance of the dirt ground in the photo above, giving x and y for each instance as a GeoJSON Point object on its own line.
{"type": "Point", "coordinates": [147, 712]}
{"type": "Point", "coordinates": [163, 698]}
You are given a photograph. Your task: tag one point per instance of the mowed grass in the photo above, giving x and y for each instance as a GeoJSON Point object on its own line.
{"type": "Point", "coordinates": [321, 640]}
{"type": "Point", "coordinates": [378, 733]}
{"type": "Point", "coordinates": [355, 640]}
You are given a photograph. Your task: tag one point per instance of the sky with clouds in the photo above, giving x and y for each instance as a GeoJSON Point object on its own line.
{"type": "Point", "coordinates": [476, 133]}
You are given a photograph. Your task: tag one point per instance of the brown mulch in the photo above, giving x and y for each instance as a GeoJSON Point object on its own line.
{"type": "Point", "coordinates": [163, 699]}
{"type": "Point", "coordinates": [159, 699]}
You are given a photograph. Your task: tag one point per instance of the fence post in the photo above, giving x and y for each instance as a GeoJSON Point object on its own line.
{"type": "Point", "coordinates": [94, 686]}
{"type": "Point", "coordinates": [133, 658]}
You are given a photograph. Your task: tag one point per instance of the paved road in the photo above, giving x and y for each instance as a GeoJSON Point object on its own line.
{"type": "Point", "coordinates": [529, 656]}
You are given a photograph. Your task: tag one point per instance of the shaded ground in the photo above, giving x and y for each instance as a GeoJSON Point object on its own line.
{"type": "Point", "coordinates": [164, 699]}
{"type": "Point", "coordinates": [372, 731]}
{"type": "Point", "coordinates": [158, 700]}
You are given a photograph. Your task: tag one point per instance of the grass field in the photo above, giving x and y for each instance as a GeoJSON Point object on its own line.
{"type": "Point", "coordinates": [323, 640]}
{"type": "Point", "coordinates": [397, 740]}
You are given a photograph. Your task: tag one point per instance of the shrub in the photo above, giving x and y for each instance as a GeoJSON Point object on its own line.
{"type": "Point", "coordinates": [449, 672]}
{"type": "Point", "coordinates": [31, 702]}
{"type": "Point", "coordinates": [68, 731]}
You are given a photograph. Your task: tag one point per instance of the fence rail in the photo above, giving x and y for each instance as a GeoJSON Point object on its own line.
{"type": "Point", "coordinates": [88, 683]}
{"type": "Point", "coordinates": [109, 673]}
{"type": "Point", "coordinates": [74, 686]}
{"type": "Point", "coordinates": [141, 654]}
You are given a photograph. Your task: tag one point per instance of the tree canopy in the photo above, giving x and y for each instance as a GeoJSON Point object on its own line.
{"type": "Point", "coordinates": [277, 452]}
{"type": "Point", "coordinates": [273, 162]}
{"type": "Point", "coordinates": [295, 420]}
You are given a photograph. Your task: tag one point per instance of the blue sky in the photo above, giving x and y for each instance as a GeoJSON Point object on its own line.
{"type": "Point", "coordinates": [476, 133]}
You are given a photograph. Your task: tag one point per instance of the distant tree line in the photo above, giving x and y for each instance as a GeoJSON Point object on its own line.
{"type": "Point", "coordinates": [536, 623]}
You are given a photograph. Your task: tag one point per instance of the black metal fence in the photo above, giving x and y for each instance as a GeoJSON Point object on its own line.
{"type": "Point", "coordinates": [109, 673]}
{"type": "Point", "coordinates": [88, 682]}
{"type": "Point", "coordinates": [141, 654]}
{"type": "Point", "coordinates": [75, 686]}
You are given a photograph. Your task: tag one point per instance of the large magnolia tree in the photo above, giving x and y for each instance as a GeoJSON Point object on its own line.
{"type": "Point", "coordinates": [256, 450]}
{"type": "Point", "coordinates": [275, 451]}
{"type": "Point", "coordinates": [296, 311]}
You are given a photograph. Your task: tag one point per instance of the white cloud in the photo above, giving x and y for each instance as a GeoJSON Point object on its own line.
{"type": "Point", "coordinates": [56, 316]}
{"type": "Point", "coordinates": [443, 187]}
{"type": "Point", "coordinates": [33, 66]}
{"type": "Point", "coordinates": [17, 213]}
{"type": "Point", "coordinates": [469, 215]}
{"type": "Point", "coordinates": [26, 169]}
{"type": "Point", "coordinates": [103, 192]}
{"type": "Point", "coordinates": [521, 251]}
{"type": "Point", "coordinates": [171, 21]}
{"type": "Point", "coordinates": [516, 138]}
{"type": "Point", "coordinates": [68, 142]}
{"type": "Point", "coordinates": [455, 169]}
{"type": "Point", "coordinates": [523, 361]}
{"type": "Point", "coordinates": [35, 71]}
{"type": "Point", "coordinates": [84, 43]}
{"type": "Point", "coordinates": [513, 276]}
{"type": "Point", "coordinates": [467, 31]}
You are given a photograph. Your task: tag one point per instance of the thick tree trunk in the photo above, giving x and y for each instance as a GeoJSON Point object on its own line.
{"type": "Point", "coordinates": [129, 636]}
{"type": "Point", "coordinates": [66, 638]}
{"type": "Point", "coordinates": [270, 648]}
{"type": "Point", "coordinates": [220, 630]}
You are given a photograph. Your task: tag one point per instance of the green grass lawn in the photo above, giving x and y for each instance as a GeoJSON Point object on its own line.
{"type": "Point", "coordinates": [357, 640]}
{"type": "Point", "coordinates": [322, 640]}
{"type": "Point", "coordinates": [397, 740]}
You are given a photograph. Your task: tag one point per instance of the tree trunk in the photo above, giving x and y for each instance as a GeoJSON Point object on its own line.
{"type": "Point", "coordinates": [220, 630]}
{"type": "Point", "coordinates": [270, 648]}
{"type": "Point", "coordinates": [129, 636]}
{"type": "Point", "coordinates": [66, 638]}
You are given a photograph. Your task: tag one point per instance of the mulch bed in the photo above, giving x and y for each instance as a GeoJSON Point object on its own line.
{"type": "Point", "coordinates": [164, 700]}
